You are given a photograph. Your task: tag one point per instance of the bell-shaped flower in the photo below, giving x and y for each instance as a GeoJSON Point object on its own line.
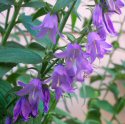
{"type": "Point", "coordinates": [77, 62]}
{"type": "Point", "coordinates": [22, 108]}
{"type": "Point", "coordinates": [35, 90]}
{"type": "Point", "coordinates": [115, 5]}
{"type": "Point", "coordinates": [61, 81]}
{"type": "Point", "coordinates": [49, 26]}
{"type": "Point", "coordinates": [103, 21]}
{"type": "Point", "coordinates": [96, 46]}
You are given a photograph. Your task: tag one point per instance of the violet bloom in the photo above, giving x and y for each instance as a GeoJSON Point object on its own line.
{"type": "Point", "coordinates": [61, 81]}
{"type": "Point", "coordinates": [102, 21]}
{"type": "Point", "coordinates": [46, 99]}
{"type": "Point", "coordinates": [49, 26]}
{"type": "Point", "coordinates": [22, 108]}
{"type": "Point", "coordinates": [35, 90]}
{"type": "Point", "coordinates": [77, 63]}
{"type": "Point", "coordinates": [115, 6]}
{"type": "Point", "coordinates": [96, 46]}
{"type": "Point", "coordinates": [8, 120]}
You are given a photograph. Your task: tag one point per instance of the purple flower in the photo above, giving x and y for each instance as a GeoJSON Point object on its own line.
{"type": "Point", "coordinates": [49, 26]}
{"type": "Point", "coordinates": [36, 91]}
{"type": "Point", "coordinates": [46, 98]}
{"type": "Point", "coordinates": [22, 108]}
{"type": "Point", "coordinates": [8, 120]}
{"type": "Point", "coordinates": [61, 81]}
{"type": "Point", "coordinates": [97, 16]}
{"type": "Point", "coordinates": [96, 46]}
{"type": "Point", "coordinates": [103, 22]}
{"type": "Point", "coordinates": [115, 5]}
{"type": "Point", "coordinates": [77, 63]}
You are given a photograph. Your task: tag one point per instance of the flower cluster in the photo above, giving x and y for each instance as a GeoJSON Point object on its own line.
{"type": "Point", "coordinates": [31, 95]}
{"type": "Point", "coordinates": [78, 62]}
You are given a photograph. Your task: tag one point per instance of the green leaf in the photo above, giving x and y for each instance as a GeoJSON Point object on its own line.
{"type": "Point", "coordinates": [7, 2]}
{"type": "Point", "coordinates": [73, 121]}
{"type": "Point", "coordinates": [114, 89]}
{"type": "Point", "coordinates": [38, 48]}
{"type": "Point", "coordinates": [105, 106]}
{"type": "Point", "coordinates": [4, 7]}
{"type": "Point", "coordinates": [61, 4]}
{"type": "Point", "coordinates": [120, 104]}
{"type": "Point", "coordinates": [18, 55]}
{"type": "Point", "coordinates": [58, 121]}
{"type": "Point", "coordinates": [89, 92]}
{"type": "Point", "coordinates": [14, 44]}
{"type": "Point", "coordinates": [28, 23]}
{"type": "Point", "coordinates": [93, 115]}
{"type": "Point", "coordinates": [115, 44]}
{"type": "Point", "coordinates": [74, 14]}
{"type": "Point", "coordinates": [5, 67]}
{"type": "Point", "coordinates": [61, 113]}
{"type": "Point", "coordinates": [34, 4]}
{"type": "Point", "coordinates": [42, 11]}
{"type": "Point", "coordinates": [95, 78]}
{"type": "Point", "coordinates": [4, 88]}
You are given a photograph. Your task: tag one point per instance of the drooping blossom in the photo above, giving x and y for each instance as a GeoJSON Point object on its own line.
{"type": "Point", "coordinates": [76, 61]}
{"type": "Point", "coordinates": [36, 92]}
{"type": "Point", "coordinates": [61, 81]}
{"type": "Point", "coordinates": [103, 21]}
{"type": "Point", "coordinates": [22, 108]}
{"type": "Point", "coordinates": [8, 120]}
{"type": "Point", "coordinates": [96, 46]}
{"type": "Point", "coordinates": [49, 26]}
{"type": "Point", "coordinates": [115, 5]}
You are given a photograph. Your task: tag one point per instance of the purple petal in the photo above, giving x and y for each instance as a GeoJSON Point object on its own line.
{"type": "Point", "coordinates": [42, 33]}
{"type": "Point", "coordinates": [58, 93]}
{"type": "Point", "coordinates": [26, 109]}
{"type": "Point", "coordinates": [17, 110]}
{"type": "Point", "coordinates": [26, 90]}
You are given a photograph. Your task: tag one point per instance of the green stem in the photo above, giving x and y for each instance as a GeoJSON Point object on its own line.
{"type": "Point", "coordinates": [62, 24]}
{"type": "Point", "coordinates": [7, 17]}
{"type": "Point", "coordinates": [47, 117]}
{"type": "Point", "coordinates": [12, 23]}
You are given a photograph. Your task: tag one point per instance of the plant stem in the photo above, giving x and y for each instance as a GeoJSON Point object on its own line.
{"type": "Point", "coordinates": [47, 117]}
{"type": "Point", "coordinates": [7, 17]}
{"type": "Point", "coordinates": [62, 25]}
{"type": "Point", "coordinates": [12, 23]}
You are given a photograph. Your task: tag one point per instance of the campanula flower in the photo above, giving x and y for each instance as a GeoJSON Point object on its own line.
{"type": "Point", "coordinates": [115, 6]}
{"type": "Point", "coordinates": [103, 21]}
{"type": "Point", "coordinates": [22, 108]}
{"type": "Point", "coordinates": [96, 46]}
{"type": "Point", "coordinates": [35, 90]}
{"type": "Point", "coordinates": [61, 81]}
{"type": "Point", "coordinates": [49, 26]}
{"type": "Point", "coordinates": [76, 61]}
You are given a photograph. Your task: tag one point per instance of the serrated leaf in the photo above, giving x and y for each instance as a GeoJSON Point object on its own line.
{"type": "Point", "coordinates": [18, 55]}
